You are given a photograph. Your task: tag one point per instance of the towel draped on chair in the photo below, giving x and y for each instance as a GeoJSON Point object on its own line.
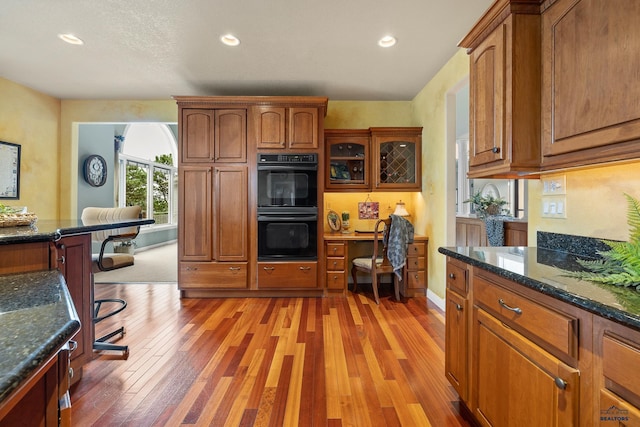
{"type": "Point", "coordinates": [398, 240]}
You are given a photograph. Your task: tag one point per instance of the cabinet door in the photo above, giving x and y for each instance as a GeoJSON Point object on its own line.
{"type": "Point", "coordinates": [303, 128]}
{"type": "Point", "coordinates": [230, 204]}
{"type": "Point", "coordinates": [72, 257]}
{"type": "Point", "coordinates": [590, 82]}
{"type": "Point", "coordinates": [269, 123]}
{"type": "Point", "coordinates": [231, 136]}
{"type": "Point", "coordinates": [540, 389]}
{"type": "Point", "coordinates": [456, 347]}
{"type": "Point", "coordinates": [397, 158]}
{"type": "Point", "coordinates": [487, 99]}
{"type": "Point", "coordinates": [197, 136]}
{"type": "Point", "coordinates": [195, 214]}
{"type": "Point", "coordinates": [347, 159]}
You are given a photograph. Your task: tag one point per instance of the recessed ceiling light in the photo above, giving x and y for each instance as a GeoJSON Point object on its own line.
{"type": "Point", "coordinates": [387, 41]}
{"type": "Point", "coordinates": [70, 38]}
{"type": "Point", "coordinates": [230, 40]}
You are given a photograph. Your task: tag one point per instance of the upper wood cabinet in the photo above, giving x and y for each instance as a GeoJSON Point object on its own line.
{"type": "Point", "coordinates": [287, 127]}
{"type": "Point", "coordinates": [590, 96]}
{"type": "Point", "coordinates": [393, 165]}
{"type": "Point", "coordinates": [504, 91]}
{"type": "Point", "coordinates": [348, 160]}
{"type": "Point", "coordinates": [218, 135]}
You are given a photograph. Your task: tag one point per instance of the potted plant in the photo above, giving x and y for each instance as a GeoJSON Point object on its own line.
{"type": "Point", "coordinates": [487, 205]}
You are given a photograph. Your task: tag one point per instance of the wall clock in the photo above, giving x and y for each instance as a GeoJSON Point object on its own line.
{"type": "Point", "coordinates": [95, 170]}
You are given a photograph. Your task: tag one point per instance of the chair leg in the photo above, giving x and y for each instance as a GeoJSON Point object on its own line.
{"type": "Point", "coordinates": [354, 274]}
{"type": "Point", "coordinates": [374, 285]}
{"type": "Point", "coordinates": [396, 286]}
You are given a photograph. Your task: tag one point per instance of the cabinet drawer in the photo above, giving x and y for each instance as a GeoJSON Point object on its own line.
{"type": "Point", "coordinates": [415, 249]}
{"type": "Point", "coordinates": [415, 279]}
{"type": "Point", "coordinates": [415, 263]}
{"type": "Point", "coordinates": [336, 279]}
{"type": "Point", "coordinates": [619, 357]}
{"type": "Point", "coordinates": [525, 315]}
{"type": "Point", "coordinates": [335, 249]}
{"type": "Point", "coordinates": [290, 275]}
{"type": "Point", "coordinates": [335, 264]}
{"type": "Point", "coordinates": [212, 275]}
{"type": "Point", "coordinates": [456, 278]}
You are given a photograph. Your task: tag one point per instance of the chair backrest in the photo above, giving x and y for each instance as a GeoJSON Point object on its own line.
{"type": "Point", "coordinates": [382, 226]}
{"type": "Point", "coordinates": [93, 216]}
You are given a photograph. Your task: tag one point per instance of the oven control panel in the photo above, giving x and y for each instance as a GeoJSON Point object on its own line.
{"type": "Point", "coordinates": [287, 158]}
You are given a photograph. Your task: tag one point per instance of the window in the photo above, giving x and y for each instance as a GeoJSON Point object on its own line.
{"type": "Point", "coordinates": [147, 171]}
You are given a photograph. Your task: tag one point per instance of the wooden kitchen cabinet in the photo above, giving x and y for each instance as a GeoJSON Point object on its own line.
{"type": "Point", "coordinates": [336, 265]}
{"type": "Point", "coordinates": [397, 158]}
{"type": "Point", "coordinates": [71, 255]}
{"type": "Point", "coordinates": [472, 232]}
{"type": "Point", "coordinates": [589, 82]}
{"type": "Point", "coordinates": [457, 318]}
{"type": "Point", "coordinates": [286, 127]}
{"type": "Point", "coordinates": [348, 159]}
{"type": "Point", "coordinates": [416, 269]}
{"type": "Point", "coordinates": [617, 380]}
{"type": "Point", "coordinates": [504, 91]}
{"type": "Point", "coordinates": [288, 275]}
{"type": "Point", "coordinates": [214, 228]}
{"type": "Point", "coordinates": [209, 135]}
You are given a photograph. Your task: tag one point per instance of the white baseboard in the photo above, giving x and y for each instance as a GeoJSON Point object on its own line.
{"type": "Point", "coordinates": [436, 300]}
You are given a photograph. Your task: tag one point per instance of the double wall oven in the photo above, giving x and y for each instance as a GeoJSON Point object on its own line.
{"type": "Point", "coordinates": [287, 207]}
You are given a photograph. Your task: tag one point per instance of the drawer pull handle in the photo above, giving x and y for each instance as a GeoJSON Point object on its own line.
{"type": "Point", "coordinates": [62, 260]}
{"type": "Point", "coordinates": [560, 383]}
{"type": "Point", "coordinates": [452, 276]}
{"type": "Point", "coordinates": [458, 307]}
{"type": "Point", "coordinates": [305, 268]}
{"type": "Point", "coordinates": [516, 310]}
{"type": "Point", "coordinates": [234, 268]}
{"type": "Point", "coordinates": [269, 268]}
{"type": "Point", "coordinates": [192, 268]}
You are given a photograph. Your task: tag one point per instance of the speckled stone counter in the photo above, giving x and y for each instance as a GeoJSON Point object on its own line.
{"type": "Point", "coordinates": [37, 318]}
{"type": "Point", "coordinates": [48, 230]}
{"type": "Point", "coordinates": [541, 269]}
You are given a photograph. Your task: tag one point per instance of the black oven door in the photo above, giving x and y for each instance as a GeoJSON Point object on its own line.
{"type": "Point", "coordinates": [287, 237]}
{"type": "Point", "coordinates": [291, 186]}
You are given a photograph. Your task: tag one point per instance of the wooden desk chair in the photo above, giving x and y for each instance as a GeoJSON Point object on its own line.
{"type": "Point", "coordinates": [111, 261]}
{"type": "Point", "coordinates": [378, 263]}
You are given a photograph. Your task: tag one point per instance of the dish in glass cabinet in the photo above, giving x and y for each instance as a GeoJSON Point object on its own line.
{"type": "Point", "coordinates": [490, 190]}
{"type": "Point", "coordinates": [334, 221]}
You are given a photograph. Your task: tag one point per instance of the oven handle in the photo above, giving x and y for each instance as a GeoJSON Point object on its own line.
{"type": "Point", "coordinates": [291, 167]}
{"type": "Point", "coordinates": [280, 218]}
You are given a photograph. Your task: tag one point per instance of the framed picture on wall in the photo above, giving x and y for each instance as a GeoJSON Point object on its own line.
{"type": "Point", "coordinates": [9, 170]}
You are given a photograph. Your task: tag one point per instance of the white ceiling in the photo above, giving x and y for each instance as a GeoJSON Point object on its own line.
{"type": "Point", "coordinates": [153, 49]}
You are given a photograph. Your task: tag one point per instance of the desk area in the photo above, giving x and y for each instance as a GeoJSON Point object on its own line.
{"type": "Point", "coordinates": [341, 248]}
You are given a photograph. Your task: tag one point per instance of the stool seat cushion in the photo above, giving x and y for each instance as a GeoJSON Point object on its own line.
{"type": "Point", "coordinates": [366, 262]}
{"type": "Point", "coordinates": [112, 261]}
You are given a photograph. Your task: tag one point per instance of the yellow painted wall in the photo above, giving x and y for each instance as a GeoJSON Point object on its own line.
{"type": "Point", "coordinates": [595, 202]}
{"type": "Point", "coordinates": [74, 112]}
{"type": "Point", "coordinates": [429, 110]}
{"type": "Point", "coordinates": [31, 119]}
{"type": "Point", "coordinates": [366, 114]}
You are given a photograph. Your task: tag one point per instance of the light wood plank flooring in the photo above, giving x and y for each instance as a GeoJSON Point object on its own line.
{"type": "Point", "coordinates": [331, 361]}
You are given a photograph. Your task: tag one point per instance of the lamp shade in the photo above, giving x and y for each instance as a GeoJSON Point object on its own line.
{"type": "Point", "coordinates": [400, 209]}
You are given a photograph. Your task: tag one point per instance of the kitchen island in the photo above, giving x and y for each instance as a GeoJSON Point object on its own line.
{"type": "Point", "coordinates": [526, 345]}
{"type": "Point", "coordinates": [63, 245]}
{"type": "Point", "coordinates": [38, 320]}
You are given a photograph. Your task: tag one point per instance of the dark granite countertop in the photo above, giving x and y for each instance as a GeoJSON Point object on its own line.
{"type": "Point", "coordinates": [37, 317]}
{"type": "Point", "coordinates": [541, 269]}
{"type": "Point", "coordinates": [48, 230]}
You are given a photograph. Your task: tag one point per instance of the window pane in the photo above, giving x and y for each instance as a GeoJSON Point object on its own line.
{"type": "Point", "coordinates": [136, 185]}
{"type": "Point", "coordinates": [161, 183]}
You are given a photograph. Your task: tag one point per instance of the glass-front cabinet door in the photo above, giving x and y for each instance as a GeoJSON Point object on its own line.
{"type": "Point", "coordinates": [397, 158]}
{"type": "Point", "coordinates": [347, 159]}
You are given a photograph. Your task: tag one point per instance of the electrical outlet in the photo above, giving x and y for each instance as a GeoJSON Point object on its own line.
{"type": "Point", "coordinates": [554, 185]}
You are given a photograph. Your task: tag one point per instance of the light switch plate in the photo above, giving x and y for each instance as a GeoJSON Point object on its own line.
{"type": "Point", "coordinates": [554, 206]}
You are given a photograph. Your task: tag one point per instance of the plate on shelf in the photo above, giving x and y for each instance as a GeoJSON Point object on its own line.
{"type": "Point", "coordinates": [490, 190]}
{"type": "Point", "coordinates": [334, 221]}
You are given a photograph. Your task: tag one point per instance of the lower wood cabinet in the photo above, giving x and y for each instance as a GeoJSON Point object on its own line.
{"type": "Point", "coordinates": [213, 275]}
{"type": "Point", "coordinates": [472, 232]}
{"type": "Point", "coordinates": [336, 265]}
{"type": "Point", "coordinates": [287, 275]}
{"type": "Point", "coordinates": [518, 357]}
{"type": "Point", "coordinates": [416, 268]}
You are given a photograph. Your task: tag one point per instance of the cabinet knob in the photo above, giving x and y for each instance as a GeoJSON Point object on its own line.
{"type": "Point", "coordinates": [560, 383]}
{"type": "Point", "coordinates": [335, 250]}
{"type": "Point", "coordinates": [452, 276]}
{"type": "Point", "coordinates": [62, 260]}
{"type": "Point", "coordinates": [335, 263]}
{"type": "Point", "coordinates": [495, 150]}
{"type": "Point", "coordinates": [458, 307]}
{"type": "Point", "coordinates": [516, 310]}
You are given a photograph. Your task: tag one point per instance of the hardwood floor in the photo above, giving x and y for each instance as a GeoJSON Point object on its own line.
{"type": "Point", "coordinates": [269, 362]}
